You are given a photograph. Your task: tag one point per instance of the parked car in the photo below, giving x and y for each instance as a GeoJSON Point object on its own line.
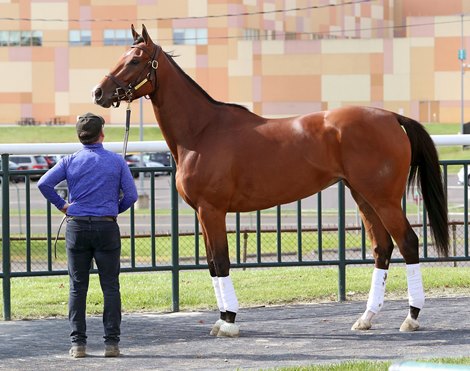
{"type": "Point", "coordinates": [148, 163]}
{"type": "Point", "coordinates": [13, 166]}
{"type": "Point", "coordinates": [461, 176]}
{"type": "Point", "coordinates": [62, 189]}
{"type": "Point", "coordinates": [31, 162]}
{"type": "Point", "coordinates": [133, 161]}
{"type": "Point", "coordinates": [52, 159]}
{"type": "Point", "coordinates": [158, 159]}
{"type": "Point", "coordinates": [161, 157]}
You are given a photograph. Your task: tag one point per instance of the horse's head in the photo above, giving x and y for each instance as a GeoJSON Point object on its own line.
{"type": "Point", "coordinates": [133, 76]}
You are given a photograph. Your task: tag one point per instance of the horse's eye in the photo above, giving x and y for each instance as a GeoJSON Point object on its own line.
{"type": "Point", "coordinates": [135, 61]}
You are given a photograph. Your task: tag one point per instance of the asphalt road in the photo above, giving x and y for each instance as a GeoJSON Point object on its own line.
{"type": "Point", "coordinates": [271, 337]}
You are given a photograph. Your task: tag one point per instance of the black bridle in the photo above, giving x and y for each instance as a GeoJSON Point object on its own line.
{"type": "Point", "coordinates": [126, 92]}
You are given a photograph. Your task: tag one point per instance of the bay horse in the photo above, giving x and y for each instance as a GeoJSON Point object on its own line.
{"type": "Point", "coordinates": [229, 159]}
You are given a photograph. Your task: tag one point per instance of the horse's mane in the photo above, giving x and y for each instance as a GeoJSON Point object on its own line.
{"type": "Point", "coordinates": [171, 57]}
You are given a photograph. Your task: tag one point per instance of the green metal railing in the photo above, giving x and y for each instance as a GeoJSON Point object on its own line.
{"type": "Point", "coordinates": [282, 255]}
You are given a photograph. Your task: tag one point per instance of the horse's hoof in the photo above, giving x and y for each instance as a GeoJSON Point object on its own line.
{"type": "Point", "coordinates": [361, 325]}
{"type": "Point", "coordinates": [215, 329]}
{"type": "Point", "coordinates": [409, 324]}
{"type": "Point", "coordinates": [229, 330]}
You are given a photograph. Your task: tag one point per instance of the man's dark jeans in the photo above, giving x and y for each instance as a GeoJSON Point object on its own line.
{"type": "Point", "coordinates": [100, 240]}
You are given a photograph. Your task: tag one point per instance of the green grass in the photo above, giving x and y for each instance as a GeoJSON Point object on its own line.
{"type": "Point", "coordinates": [39, 297]}
{"type": "Point", "coordinates": [67, 134]}
{"type": "Point", "coordinates": [343, 366]}
{"type": "Point", "coordinates": [435, 128]}
{"type": "Point", "coordinates": [372, 365]}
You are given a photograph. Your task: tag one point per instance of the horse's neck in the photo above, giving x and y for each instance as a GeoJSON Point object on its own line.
{"type": "Point", "coordinates": [182, 110]}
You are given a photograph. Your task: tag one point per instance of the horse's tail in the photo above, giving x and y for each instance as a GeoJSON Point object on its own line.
{"type": "Point", "coordinates": [425, 172]}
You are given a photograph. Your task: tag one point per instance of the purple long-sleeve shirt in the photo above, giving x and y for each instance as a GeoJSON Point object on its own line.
{"type": "Point", "coordinates": [95, 179]}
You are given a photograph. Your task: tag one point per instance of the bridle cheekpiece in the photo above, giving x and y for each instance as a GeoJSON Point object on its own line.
{"type": "Point", "coordinates": [126, 92]}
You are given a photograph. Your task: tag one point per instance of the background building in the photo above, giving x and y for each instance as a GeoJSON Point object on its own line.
{"type": "Point", "coordinates": [277, 57]}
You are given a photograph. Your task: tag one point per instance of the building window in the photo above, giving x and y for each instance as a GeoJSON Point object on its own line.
{"type": "Point", "coordinates": [251, 34]}
{"type": "Point", "coordinates": [79, 37]}
{"type": "Point", "coordinates": [117, 37]}
{"type": "Point", "coordinates": [190, 36]}
{"type": "Point", "coordinates": [270, 35]}
{"type": "Point", "coordinates": [290, 36]}
{"type": "Point", "coordinates": [20, 38]}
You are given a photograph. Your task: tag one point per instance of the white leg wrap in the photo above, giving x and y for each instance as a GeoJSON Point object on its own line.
{"type": "Point", "coordinates": [415, 285]}
{"type": "Point", "coordinates": [377, 291]}
{"type": "Point", "coordinates": [218, 294]}
{"type": "Point", "coordinates": [227, 291]}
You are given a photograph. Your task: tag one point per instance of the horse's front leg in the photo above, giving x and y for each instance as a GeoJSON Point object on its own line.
{"type": "Point", "coordinates": [215, 239]}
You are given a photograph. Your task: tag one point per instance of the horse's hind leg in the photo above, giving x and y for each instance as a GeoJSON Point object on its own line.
{"type": "Point", "coordinates": [397, 225]}
{"type": "Point", "coordinates": [382, 247]}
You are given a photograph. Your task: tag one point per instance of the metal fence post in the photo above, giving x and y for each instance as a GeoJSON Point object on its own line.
{"type": "Point", "coordinates": [174, 241]}
{"type": "Point", "coordinates": [341, 243]}
{"type": "Point", "coordinates": [6, 238]}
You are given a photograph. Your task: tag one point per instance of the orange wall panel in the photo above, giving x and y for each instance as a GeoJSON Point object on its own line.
{"type": "Point", "coordinates": [431, 7]}
{"type": "Point", "coordinates": [376, 63]}
{"type": "Point", "coordinates": [43, 92]}
{"type": "Point", "coordinates": [345, 64]}
{"type": "Point", "coordinates": [377, 87]}
{"type": "Point", "coordinates": [291, 88]}
{"type": "Point", "coordinates": [240, 89]}
{"type": "Point", "coordinates": [43, 54]}
{"type": "Point", "coordinates": [218, 84]}
{"type": "Point", "coordinates": [15, 98]}
{"type": "Point", "coordinates": [43, 111]}
{"type": "Point", "coordinates": [445, 53]}
{"type": "Point", "coordinates": [10, 113]}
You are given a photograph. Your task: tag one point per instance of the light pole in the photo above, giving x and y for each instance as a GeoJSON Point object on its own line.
{"type": "Point", "coordinates": [462, 56]}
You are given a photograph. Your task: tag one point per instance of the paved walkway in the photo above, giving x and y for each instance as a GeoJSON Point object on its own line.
{"type": "Point", "coordinates": [270, 337]}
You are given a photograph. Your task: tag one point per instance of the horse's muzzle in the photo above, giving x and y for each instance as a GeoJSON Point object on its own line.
{"type": "Point", "coordinates": [99, 98]}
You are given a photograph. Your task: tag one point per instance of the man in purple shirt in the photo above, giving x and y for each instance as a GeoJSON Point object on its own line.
{"type": "Point", "coordinates": [100, 187]}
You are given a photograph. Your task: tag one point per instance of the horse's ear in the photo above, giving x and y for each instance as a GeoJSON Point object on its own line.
{"type": "Point", "coordinates": [135, 35]}
{"type": "Point", "coordinates": [145, 35]}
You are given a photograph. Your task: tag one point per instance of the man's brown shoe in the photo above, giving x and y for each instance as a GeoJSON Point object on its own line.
{"type": "Point", "coordinates": [111, 350]}
{"type": "Point", "coordinates": [78, 351]}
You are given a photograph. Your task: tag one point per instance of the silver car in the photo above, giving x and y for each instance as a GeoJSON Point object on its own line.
{"type": "Point", "coordinates": [461, 176]}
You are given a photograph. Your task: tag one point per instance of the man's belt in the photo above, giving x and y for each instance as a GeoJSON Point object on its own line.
{"type": "Point", "coordinates": [92, 218]}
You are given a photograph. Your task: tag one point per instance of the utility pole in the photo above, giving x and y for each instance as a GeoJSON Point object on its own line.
{"type": "Point", "coordinates": [462, 55]}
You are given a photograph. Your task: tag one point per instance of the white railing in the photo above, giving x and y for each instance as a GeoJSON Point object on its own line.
{"type": "Point", "coordinates": [450, 140]}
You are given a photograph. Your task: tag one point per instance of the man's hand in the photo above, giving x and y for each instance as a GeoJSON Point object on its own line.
{"type": "Point", "coordinates": [64, 209]}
